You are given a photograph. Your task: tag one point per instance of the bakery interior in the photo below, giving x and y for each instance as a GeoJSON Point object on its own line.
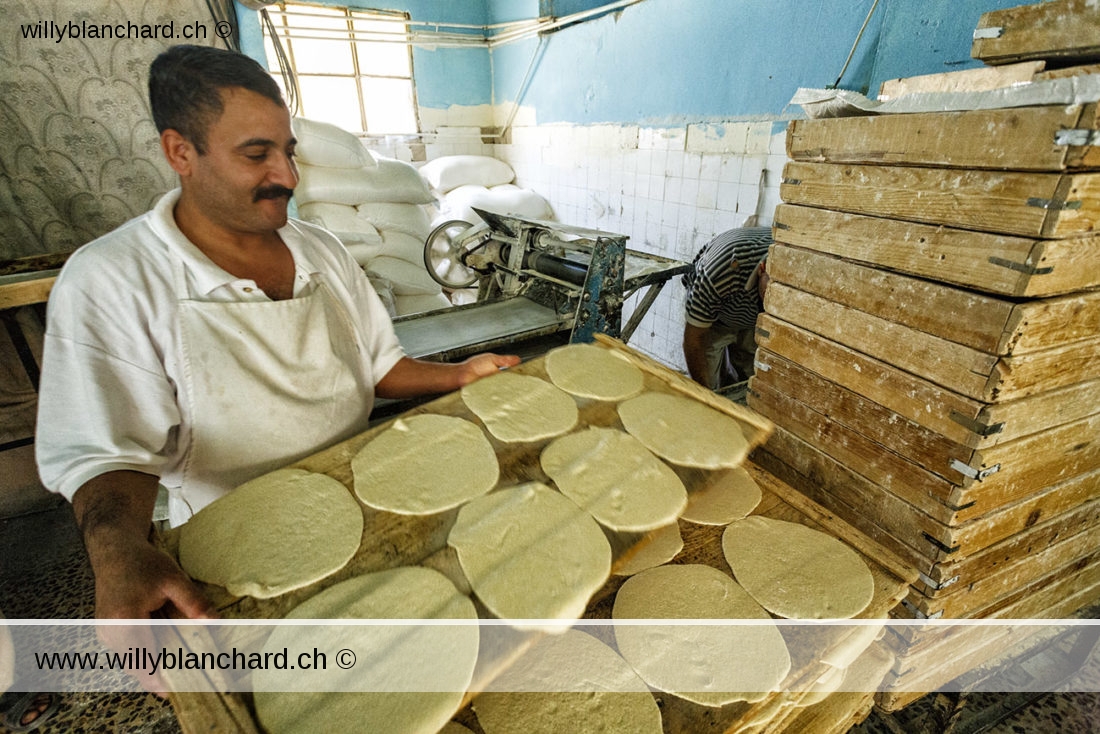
{"type": "Point", "coordinates": [926, 384]}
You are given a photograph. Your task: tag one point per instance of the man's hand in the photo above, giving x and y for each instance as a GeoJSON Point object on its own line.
{"type": "Point", "coordinates": [484, 365]}
{"type": "Point", "coordinates": [133, 578]}
{"type": "Point", "coordinates": [413, 378]}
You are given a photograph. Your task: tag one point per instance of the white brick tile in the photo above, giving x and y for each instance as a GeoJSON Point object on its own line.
{"type": "Point", "coordinates": [727, 196]}
{"type": "Point", "coordinates": [748, 196]}
{"type": "Point", "coordinates": [710, 168]}
{"type": "Point", "coordinates": [689, 191]}
{"type": "Point", "coordinates": [692, 163]}
{"type": "Point", "coordinates": [751, 168]}
{"type": "Point", "coordinates": [674, 163]}
{"type": "Point", "coordinates": [730, 170]}
{"type": "Point", "coordinates": [708, 194]}
{"type": "Point", "coordinates": [673, 187]}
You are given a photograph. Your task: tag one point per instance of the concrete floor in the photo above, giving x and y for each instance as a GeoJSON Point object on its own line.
{"type": "Point", "coordinates": [44, 574]}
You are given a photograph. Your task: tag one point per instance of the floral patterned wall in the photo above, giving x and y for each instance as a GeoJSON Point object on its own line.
{"type": "Point", "coordinates": [79, 154]}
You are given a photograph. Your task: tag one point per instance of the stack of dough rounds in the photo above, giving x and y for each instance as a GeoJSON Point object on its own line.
{"type": "Point", "coordinates": [519, 408]}
{"type": "Point", "coordinates": [311, 527]}
{"type": "Point", "coordinates": [684, 431]}
{"type": "Point", "coordinates": [406, 679]}
{"type": "Point", "coordinates": [425, 464]}
{"type": "Point", "coordinates": [723, 497]}
{"type": "Point", "coordinates": [658, 547]}
{"type": "Point", "coordinates": [827, 683]}
{"type": "Point", "coordinates": [708, 664]}
{"type": "Point", "coordinates": [613, 476]}
{"type": "Point", "coordinates": [531, 554]}
{"type": "Point", "coordinates": [570, 682]}
{"type": "Point", "coordinates": [795, 571]}
{"type": "Point", "coordinates": [859, 638]}
{"type": "Point", "coordinates": [589, 371]}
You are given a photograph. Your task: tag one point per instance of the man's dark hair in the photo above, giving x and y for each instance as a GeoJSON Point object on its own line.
{"type": "Point", "coordinates": [185, 84]}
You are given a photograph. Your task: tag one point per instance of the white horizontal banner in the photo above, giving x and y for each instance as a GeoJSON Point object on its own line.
{"type": "Point", "coordinates": [675, 656]}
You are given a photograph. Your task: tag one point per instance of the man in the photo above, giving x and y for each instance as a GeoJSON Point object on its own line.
{"type": "Point", "coordinates": [725, 291]}
{"type": "Point", "coordinates": [210, 340]}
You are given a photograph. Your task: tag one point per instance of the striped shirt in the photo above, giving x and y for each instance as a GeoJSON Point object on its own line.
{"type": "Point", "coordinates": [716, 286]}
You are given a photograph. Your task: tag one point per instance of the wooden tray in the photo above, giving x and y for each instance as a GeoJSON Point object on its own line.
{"type": "Point", "coordinates": [391, 540]}
{"type": "Point", "coordinates": [992, 263]}
{"type": "Point", "coordinates": [987, 324]}
{"type": "Point", "coordinates": [948, 482]}
{"type": "Point", "coordinates": [962, 420]}
{"type": "Point", "coordinates": [1018, 139]}
{"type": "Point", "coordinates": [1046, 205]}
{"type": "Point", "coordinates": [984, 546]}
{"type": "Point", "coordinates": [1064, 30]}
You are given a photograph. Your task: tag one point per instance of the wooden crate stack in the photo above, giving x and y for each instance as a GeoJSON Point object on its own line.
{"type": "Point", "coordinates": [930, 351]}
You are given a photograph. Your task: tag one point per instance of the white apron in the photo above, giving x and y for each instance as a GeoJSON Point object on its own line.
{"type": "Point", "coordinates": [270, 382]}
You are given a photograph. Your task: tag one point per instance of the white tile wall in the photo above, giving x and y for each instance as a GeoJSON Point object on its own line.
{"type": "Point", "coordinates": [669, 189]}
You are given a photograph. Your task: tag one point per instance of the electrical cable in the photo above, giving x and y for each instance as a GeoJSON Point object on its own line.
{"type": "Point", "coordinates": [854, 46]}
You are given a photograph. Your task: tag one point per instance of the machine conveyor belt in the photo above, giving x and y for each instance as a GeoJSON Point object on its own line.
{"type": "Point", "coordinates": [477, 327]}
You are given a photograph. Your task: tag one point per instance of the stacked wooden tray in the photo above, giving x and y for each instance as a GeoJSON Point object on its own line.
{"type": "Point", "coordinates": [930, 354]}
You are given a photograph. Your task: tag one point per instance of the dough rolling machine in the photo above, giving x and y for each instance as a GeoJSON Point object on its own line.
{"type": "Point", "coordinates": [539, 284]}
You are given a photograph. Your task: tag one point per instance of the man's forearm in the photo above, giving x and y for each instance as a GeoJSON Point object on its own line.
{"type": "Point", "coordinates": [411, 378]}
{"type": "Point", "coordinates": [115, 505]}
{"type": "Point", "coordinates": [695, 354]}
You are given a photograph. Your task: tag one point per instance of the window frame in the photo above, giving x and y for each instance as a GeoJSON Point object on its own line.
{"type": "Point", "coordinates": [288, 32]}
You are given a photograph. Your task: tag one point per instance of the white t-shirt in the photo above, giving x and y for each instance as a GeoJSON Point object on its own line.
{"type": "Point", "coordinates": [112, 393]}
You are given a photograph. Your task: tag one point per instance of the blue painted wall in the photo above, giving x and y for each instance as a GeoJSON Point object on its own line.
{"type": "Point", "coordinates": [667, 61]}
{"type": "Point", "coordinates": [663, 61]}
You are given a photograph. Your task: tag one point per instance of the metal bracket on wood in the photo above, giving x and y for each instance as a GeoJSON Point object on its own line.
{"type": "Point", "coordinates": [792, 181]}
{"type": "Point", "coordinates": [929, 582]}
{"type": "Point", "coordinates": [763, 332]}
{"type": "Point", "coordinates": [995, 32]}
{"type": "Point", "coordinates": [1077, 136]}
{"type": "Point", "coordinates": [938, 544]}
{"type": "Point", "coordinates": [969, 471]}
{"type": "Point", "coordinates": [1039, 203]}
{"type": "Point", "coordinates": [974, 426]}
{"type": "Point", "coordinates": [760, 366]}
{"type": "Point", "coordinates": [918, 613]}
{"type": "Point", "coordinates": [1020, 267]}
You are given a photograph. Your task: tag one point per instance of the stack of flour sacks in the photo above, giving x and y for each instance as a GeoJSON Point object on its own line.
{"type": "Point", "coordinates": [462, 182]}
{"type": "Point", "coordinates": [383, 209]}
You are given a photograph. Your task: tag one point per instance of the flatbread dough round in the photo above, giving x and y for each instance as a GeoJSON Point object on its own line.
{"type": "Point", "coordinates": [531, 554]}
{"type": "Point", "coordinates": [279, 532]}
{"type": "Point", "coordinates": [660, 546]}
{"type": "Point", "coordinates": [519, 408]}
{"type": "Point", "coordinates": [684, 431]}
{"type": "Point", "coordinates": [569, 682]}
{"type": "Point", "coordinates": [722, 497]}
{"type": "Point", "coordinates": [708, 664]}
{"type": "Point", "coordinates": [615, 478]}
{"type": "Point", "coordinates": [795, 571]}
{"type": "Point", "coordinates": [407, 678]}
{"type": "Point", "coordinates": [425, 464]}
{"type": "Point", "coordinates": [589, 371]}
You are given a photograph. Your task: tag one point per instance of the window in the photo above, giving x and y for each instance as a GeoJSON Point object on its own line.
{"type": "Point", "coordinates": [353, 67]}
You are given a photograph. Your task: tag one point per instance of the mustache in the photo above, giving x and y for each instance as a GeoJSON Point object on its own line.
{"type": "Point", "coordinates": [272, 192]}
